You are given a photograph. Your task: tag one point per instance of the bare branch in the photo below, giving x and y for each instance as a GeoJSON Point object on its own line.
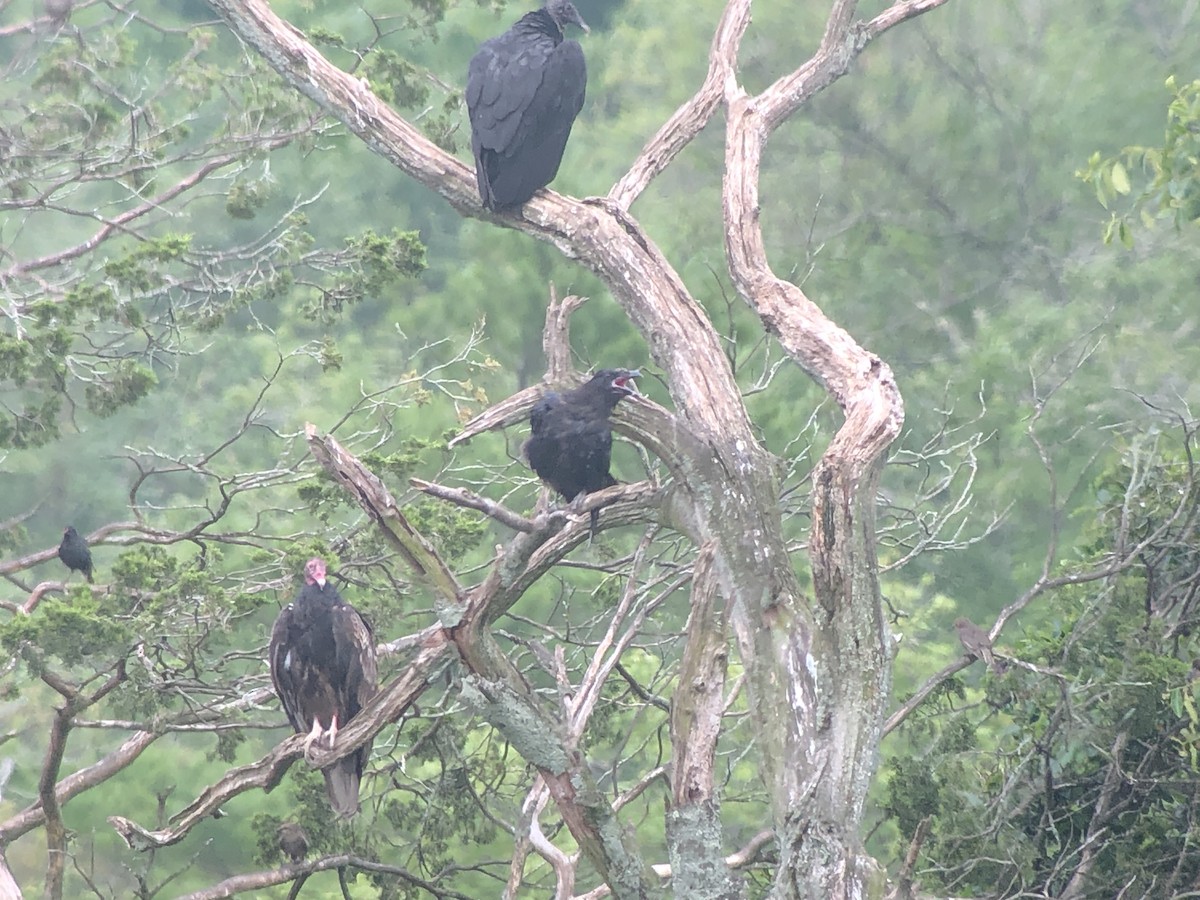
{"type": "Point", "coordinates": [698, 703]}
{"type": "Point", "coordinates": [379, 504]}
{"type": "Point", "coordinates": [556, 335]}
{"type": "Point", "coordinates": [471, 500]}
{"type": "Point", "coordinates": [250, 881]}
{"type": "Point", "coordinates": [687, 121]}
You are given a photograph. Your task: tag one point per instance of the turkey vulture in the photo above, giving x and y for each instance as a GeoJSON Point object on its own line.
{"type": "Point", "coordinates": [74, 553]}
{"type": "Point", "coordinates": [524, 90]}
{"type": "Point", "coordinates": [322, 657]}
{"type": "Point", "coordinates": [570, 445]}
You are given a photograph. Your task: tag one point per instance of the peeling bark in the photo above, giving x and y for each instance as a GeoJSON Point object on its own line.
{"type": "Point", "coordinates": [817, 669]}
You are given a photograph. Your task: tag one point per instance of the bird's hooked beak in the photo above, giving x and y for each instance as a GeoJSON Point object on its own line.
{"type": "Point", "coordinates": [566, 12]}
{"type": "Point", "coordinates": [314, 571]}
{"type": "Point", "coordinates": [624, 381]}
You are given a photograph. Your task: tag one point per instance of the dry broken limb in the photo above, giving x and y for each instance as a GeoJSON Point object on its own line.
{"type": "Point", "coordinates": [253, 881]}
{"type": "Point", "coordinates": [829, 655]}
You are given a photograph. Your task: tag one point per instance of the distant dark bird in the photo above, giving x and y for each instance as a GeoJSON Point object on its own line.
{"type": "Point", "coordinates": [976, 642]}
{"type": "Point", "coordinates": [74, 553]}
{"type": "Point", "coordinates": [58, 10]}
{"type": "Point", "coordinates": [292, 841]}
{"type": "Point", "coordinates": [570, 445]}
{"type": "Point", "coordinates": [524, 90]}
{"type": "Point", "coordinates": [322, 657]}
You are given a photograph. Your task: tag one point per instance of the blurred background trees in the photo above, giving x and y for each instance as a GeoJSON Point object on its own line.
{"type": "Point", "coordinates": [193, 264]}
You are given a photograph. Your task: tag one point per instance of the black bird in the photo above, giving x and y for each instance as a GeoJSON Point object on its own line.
{"type": "Point", "coordinates": [74, 553]}
{"type": "Point", "coordinates": [292, 841]}
{"type": "Point", "coordinates": [524, 90]}
{"type": "Point", "coordinates": [322, 657]}
{"type": "Point", "coordinates": [570, 445]}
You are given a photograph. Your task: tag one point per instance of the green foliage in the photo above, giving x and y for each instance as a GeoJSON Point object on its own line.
{"type": "Point", "coordinates": [452, 530]}
{"type": "Point", "coordinates": [74, 630]}
{"type": "Point", "coordinates": [1093, 746]}
{"type": "Point", "coordinates": [1169, 174]}
{"type": "Point", "coordinates": [372, 264]}
{"type": "Point", "coordinates": [395, 80]}
{"type": "Point", "coordinates": [922, 202]}
{"type": "Point", "coordinates": [125, 383]}
{"type": "Point", "coordinates": [246, 198]}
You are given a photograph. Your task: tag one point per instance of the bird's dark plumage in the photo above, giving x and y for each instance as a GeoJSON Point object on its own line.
{"type": "Point", "coordinates": [74, 553]}
{"type": "Point", "coordinates": [570, 444]}
{"type": "Point", "coordinates": [292, 841]}
{"type": "Point", "coordinates": [524, 90]}
{"type": "Point", "coordinates": [322, 657]}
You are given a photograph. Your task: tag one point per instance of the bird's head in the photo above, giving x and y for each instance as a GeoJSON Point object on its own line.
{"type": "Point", "coordinates": [618, 382]}
{"type": "Point", "coordinates": [564, 13]}
{"type": "Point", "coordinates": [960, 623]}
{"type": "Point", "coordinates": [314, 571]}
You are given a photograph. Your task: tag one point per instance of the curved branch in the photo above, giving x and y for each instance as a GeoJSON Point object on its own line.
{"type": "Point", "coordinates": [76, 783]}
{"type": "Point", "coordinates": [687, 121]}
{"type": "Point", "coordinates": [379, 503]}
{"type": "Point", "coordinates": [250, 881]}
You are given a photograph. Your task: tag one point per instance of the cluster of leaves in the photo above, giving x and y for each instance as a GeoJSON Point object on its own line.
{"type": "Point", "coordinates": [1082, 770]}
{"type": "Point", "coordinates": [1158, 182]}
{"type": "Point", "coordinates": [98, 331]}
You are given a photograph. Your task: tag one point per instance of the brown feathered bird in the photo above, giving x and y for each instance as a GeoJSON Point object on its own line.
{"type": "Point", "coordinates": [292, 841]}
{"type": "Point", "coordinates": [74, 553]}
{"type": "Point", "coordinates": [976, 642]}
{"type": "Point", "coordinates": [570, 442]}
{"type": "Point", "coordinates": [322, 657]}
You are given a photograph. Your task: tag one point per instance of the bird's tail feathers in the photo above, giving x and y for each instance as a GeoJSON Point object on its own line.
{"type": "Point", "coordinates": [341, 785]}
{"type": "Point", "coordinates": [595, 523]}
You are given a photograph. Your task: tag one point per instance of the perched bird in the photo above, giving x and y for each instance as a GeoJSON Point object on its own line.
{"type": "Point", "coordinates": [74, 553]}
{"type": "Point", "coordinates": [570, 444]}
{"type": "Point", "coordinates": [976, 642]}
{"type": "Point", "coordinates": [322, 657]}
{"type": "Point", "coordinates": [524, 90]}
{"type": "Point", "coordinates": [58, 10]}
{"type": "Point", "coordinates": [292, 841]}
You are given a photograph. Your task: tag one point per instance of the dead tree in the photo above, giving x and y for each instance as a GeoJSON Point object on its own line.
{"type": "Point", "coordinates": [818, 668]}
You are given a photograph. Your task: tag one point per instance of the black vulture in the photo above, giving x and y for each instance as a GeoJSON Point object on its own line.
{"type": "Point", "coordinates": [524, 90]}
{"type": "Point", "coordinates": [570, 444]}
{"type": "Point", "coordinates": [292, 841]}
{"type": "Point", "coordinates": [322, 657]}
{"type": "Point", "coordinates": [74, 553]}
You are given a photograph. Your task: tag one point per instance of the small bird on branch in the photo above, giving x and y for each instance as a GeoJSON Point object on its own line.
{"type": "Point", "coordinates": [976, 642]}
{"type": "Point", "coordinates": [74, 553]}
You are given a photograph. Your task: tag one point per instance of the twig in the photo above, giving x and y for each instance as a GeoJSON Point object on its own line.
{"type": "Point", "coordinates": [471, 500]}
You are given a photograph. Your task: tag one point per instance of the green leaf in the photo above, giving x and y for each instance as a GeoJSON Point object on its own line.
{"type": "Point", "coordinates": [1120, 179]}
